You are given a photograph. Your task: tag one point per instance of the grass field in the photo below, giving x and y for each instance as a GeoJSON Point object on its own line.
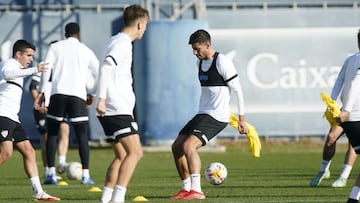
{"type": "Point", "coordinates": [281, 174]}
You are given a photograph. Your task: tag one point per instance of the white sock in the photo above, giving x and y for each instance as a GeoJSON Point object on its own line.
{"type": "Point", "coordinates": [106, 194]}
{"type": "Point", "coordinates": [355, 193]}
{"type": "Point", "coordinates": [86, 173]}
{"type": "Point", "coordinates": [346, 171]}
{"type": "Point", "coordinates": [118, 194]}
{"type": "Point", "coordinates": [51, 170]}
{"type": "Point", "coordinates": [35, 184]}
{"type": "Point", "coordinates": [325, 165]}
{"type": "Point", "coordinates": [195, 182]}
{"type": "Point", "coordinates": [61, 160]}
{"type": "Point", "coordinates": [186, 184]}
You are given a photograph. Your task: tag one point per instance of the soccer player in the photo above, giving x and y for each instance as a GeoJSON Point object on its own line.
{"type": "Point", "coordinates": [40, 120]}
{"type": "Point", "coordinates": [116, 104]}
{"type": "Point", "coordinates": [12, 73]}
{"type": "Point", "coordinates": [330, 145]}
{"type": "Point", "coordinates": [69, 63]}
{"type": "Point", "coordinates": [217, 76]}
{"type": "Point", "coordinates": [349, 118]}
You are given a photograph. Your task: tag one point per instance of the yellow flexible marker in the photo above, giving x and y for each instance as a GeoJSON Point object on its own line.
{"type": "Point", "coordinates": [332, 110]}
{"type": "Point", "coordinates": [254, 143]}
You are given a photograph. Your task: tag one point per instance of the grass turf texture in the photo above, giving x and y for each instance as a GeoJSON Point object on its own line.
{"type": "Point", "coordinates": [281, 174]}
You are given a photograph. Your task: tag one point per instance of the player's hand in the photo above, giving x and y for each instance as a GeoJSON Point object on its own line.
{"type": "Point", "coordinates": [344, 115]}
{"type": "Point", "coordinates": [242, 127]}
{"type": "Point", "coordinates": [39, 103]}
{"type": "Point", "coordinates": [101, 107]}
{"type": "Point", "coordinates": [89, 101]}
{"type": "Point", "coordinates": [42, 67]}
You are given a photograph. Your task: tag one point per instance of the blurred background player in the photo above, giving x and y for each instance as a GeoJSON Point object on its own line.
{"type": "Point", "coordinates": [40, 120]}
{"type": "Point", "coordinates": [349, 118]}
{"type": "Point", "coordinates": [334, 134]}
{"type": "Point", "coordinates": [12, 73]}
{"type": "Point", "coordinates": [69, 63]}
{"type": "Point", "coordinates": [116, 104]}
{"type": "Point", "coordinates": [217, 76]}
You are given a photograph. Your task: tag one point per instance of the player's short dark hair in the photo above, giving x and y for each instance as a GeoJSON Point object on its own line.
{"type": "Point", "coordinates": [72, 29]}
{"type": "Point", "coordinates": [200, 36]}
{"type": "Point", "coordinates": [133, 13]}
{"type": "Point", "coordinates": [21, 45]}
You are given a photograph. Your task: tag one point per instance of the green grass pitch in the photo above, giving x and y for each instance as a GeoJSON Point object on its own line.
{"type": "Point", "coordinates": [280, 175]}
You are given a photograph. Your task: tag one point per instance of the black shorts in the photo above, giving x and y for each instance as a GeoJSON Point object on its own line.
{"type": "Point", "coordinates": [204, 127]}
{"type": "Point", "coordinates": [11, 131]}
{"type": "Point", "coordinates": [118, 126]}
{"type": "Point", "coordinates": [40, 120]}
{"type": "Point", "coordinates": [352, 130]}
{"type": "Point", "coordinates": [65, 106]}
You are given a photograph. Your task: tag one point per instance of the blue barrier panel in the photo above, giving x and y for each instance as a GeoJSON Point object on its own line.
{"type": "Point", "coordinates": [166, 83]}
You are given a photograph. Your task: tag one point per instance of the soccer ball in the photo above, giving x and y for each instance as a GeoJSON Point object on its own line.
{"type": "Point", "coordinates": [74, 171]}
{"type": "Point", "coordinates": [216, 173]}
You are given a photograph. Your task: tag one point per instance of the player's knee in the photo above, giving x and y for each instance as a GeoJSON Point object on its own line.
{"type": "Point", "coordinates": [135, 155]}
{"type": "Point", "coordinates": [139, 154]}
{"type": "Point", "coordinates": [331, 140]}
{"type": "Point", "coordinates": [189, 147]}
{"type": "Point", "coordinates": [4, 156]}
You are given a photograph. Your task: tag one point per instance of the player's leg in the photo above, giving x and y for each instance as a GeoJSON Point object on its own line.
{"type": "Point", "coordinates": [112, 173]}
{"type": "Point", "coordinates": [40, 120]}
{"type": "Point", "coordinates": [81, 130]}
{"type": "Point", "coordinates": [111, 126]}
{"type": "Point", "coordinates": [55, 115]}
{"type": "Point", "coordinates": [51, 146]}
{"type": "Point", "coordinates": [6, 150]}
{"type": "Point", "coordinates": [181, 162]}
{"type": "Point", "coordinates": [133, 148]}
{"type": "Point", "coordinates": [30, 166]}
{"type": "Point", "coordinates": [191, 146]}
{"type": "Point", "coordinates": [328, 153]}
{"type": "Point", "coordinates": [63, 145]}
{"type": "Point", "coordinates": [43, 138]}
{"type": "Point", "coordinates": [203, 129]}
{"type": "Point", "coordinates": [349, 161]}
{"type": "Point", "coordinates": [78, 117]}
{"type": "Point", "coordinates": [352, 131]}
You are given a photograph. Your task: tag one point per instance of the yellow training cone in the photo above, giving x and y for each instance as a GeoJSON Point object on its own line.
{"type": "Point", "coordinates": [94, 189]}
{"type": "Point", "coordinates": [140, 199]}
{"type": "Point", "coordinates": [63, 183]}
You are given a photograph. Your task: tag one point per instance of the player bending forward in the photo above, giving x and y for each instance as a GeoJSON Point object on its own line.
{"type": "Point", "coordinates": [217, 76]}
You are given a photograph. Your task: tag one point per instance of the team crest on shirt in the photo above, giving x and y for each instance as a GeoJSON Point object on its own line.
{"type": "Point", "coordinates": [4, 133]}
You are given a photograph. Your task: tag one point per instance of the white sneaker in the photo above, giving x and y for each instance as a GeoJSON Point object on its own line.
{"type": "Point", "coordinates": [341, 182]}
{"type": "Point", "coordinates": [319, 177]}
{"type": "Point", "coordinates": [45, 197]}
